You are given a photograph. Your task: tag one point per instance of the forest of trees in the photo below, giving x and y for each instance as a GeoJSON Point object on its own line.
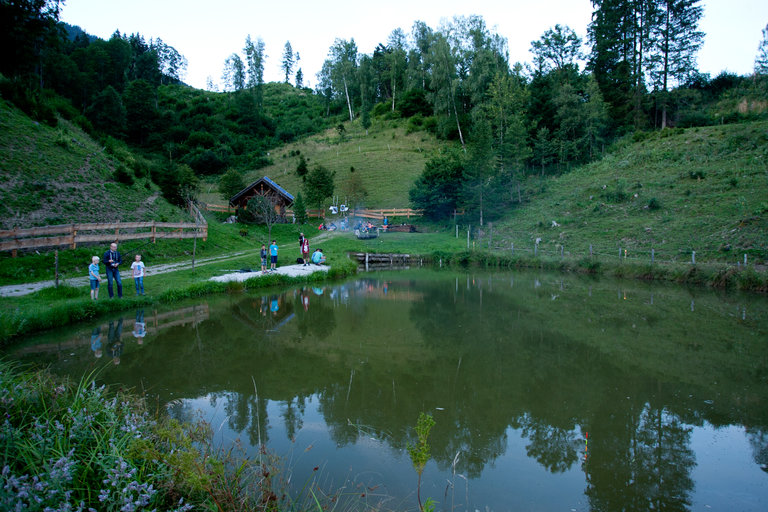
{"type": "Point", "coordinates": [637, 71]}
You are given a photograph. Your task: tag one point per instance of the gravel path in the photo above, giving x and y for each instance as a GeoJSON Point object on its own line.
{"type": "Point", "coordinates": [16, 290]}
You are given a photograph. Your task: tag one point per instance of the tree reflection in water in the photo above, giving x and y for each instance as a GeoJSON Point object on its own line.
{"type": "Point", "coordinates": [501, 364]}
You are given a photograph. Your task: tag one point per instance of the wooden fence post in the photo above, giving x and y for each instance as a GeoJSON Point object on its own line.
{"type": "Point", "coordinates": [652, 255]}
{"type": "Point", "coordinates": [154, 232]}
{"type": "Point", "coordinates": [693, 257]}
{"type": "Point", "coordinates": [56, 267]}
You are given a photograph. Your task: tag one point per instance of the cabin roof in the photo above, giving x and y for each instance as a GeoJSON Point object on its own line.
{"type": "Point", "coordinates": [287, 197]}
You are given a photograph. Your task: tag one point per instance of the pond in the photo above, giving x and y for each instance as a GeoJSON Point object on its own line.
{"type": "Point", "coordinates": [549, 391]}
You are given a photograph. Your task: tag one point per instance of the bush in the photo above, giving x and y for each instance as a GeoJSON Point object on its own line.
{"type": "Point", "coordinates": [654, 204]}
{"type": "Point", "coordinates": [123, 175]}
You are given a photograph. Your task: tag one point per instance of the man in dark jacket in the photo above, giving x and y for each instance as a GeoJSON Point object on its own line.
{"type": "Point", "coordinates": [112, 259]}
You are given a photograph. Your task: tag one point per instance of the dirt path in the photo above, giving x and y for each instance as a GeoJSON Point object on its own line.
{"type": "Point", "coordinates": [16, 290]}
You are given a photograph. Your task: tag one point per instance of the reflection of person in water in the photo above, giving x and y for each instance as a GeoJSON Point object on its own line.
{"type": "Point", "coordinates": [274, 306]}
{"type": "Point", "coordinates": [139, 327]}
{"type": "Point", "coordinates": [115, 344]}
{"type": "Point", "coordinates": [96, 342]}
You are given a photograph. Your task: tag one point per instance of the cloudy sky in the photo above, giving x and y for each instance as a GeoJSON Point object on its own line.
{"type": "Point", "coordinates": [207, 32]}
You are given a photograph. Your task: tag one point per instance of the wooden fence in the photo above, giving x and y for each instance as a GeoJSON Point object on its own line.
{"type": "Point", "coordinates": [321, 213]}
{"type": "Point", "coordinates": [222, 208]}
{"type": "Point", "coordinates": [368, 214]}
{"type": "Point", "coordinates": [73, 234]}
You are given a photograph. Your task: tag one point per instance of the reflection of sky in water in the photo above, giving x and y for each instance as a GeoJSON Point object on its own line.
{"type": "Point", "coordinates": [513, 481]}
{"type": "Point", "coordinates": [725, 469]}
{"type": "Point", "coordinates": [513, 370]}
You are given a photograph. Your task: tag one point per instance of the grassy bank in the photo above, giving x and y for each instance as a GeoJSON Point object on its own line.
{"type": "Point", "coordinates": [77, 446]}
{"type": "Point", "coordinates": [712, 275]}
{"type": "Point", "coordinates": [52, 307]}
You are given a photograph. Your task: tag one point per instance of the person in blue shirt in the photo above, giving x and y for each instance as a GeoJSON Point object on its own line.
{"type": "Point", "coordinates": [273, 255]}
{"type": "Point", "coordinates": [94, 278]}
{"type": "Point", "coordinates": [318, 258]}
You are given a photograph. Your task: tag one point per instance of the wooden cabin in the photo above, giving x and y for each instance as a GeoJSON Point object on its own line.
{"type": "Point", "coordinates": [263, 187]}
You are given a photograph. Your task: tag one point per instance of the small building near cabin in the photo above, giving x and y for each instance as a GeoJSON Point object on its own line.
{"type": "Point", "coordinates": [267, 188]}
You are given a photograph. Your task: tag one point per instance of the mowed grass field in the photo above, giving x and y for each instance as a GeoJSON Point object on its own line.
{"type": "Point", "coordinates": [673, 192]}
{"type": "Point", "coordinates": [387, 160]}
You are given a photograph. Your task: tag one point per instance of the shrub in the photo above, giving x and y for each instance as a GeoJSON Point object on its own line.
{"type": "Point", "coordinates": [123, 175]}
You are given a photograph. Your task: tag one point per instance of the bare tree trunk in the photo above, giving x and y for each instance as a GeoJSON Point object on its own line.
{"type": "Point", "coordinates": [456, 114]}
{"type": "Point", "coordinates": [349, 104]}
{"type": "Point", "coordinates": [665, 73]}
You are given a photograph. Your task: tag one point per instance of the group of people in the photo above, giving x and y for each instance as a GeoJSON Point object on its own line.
{"type": "Point", "coordinates": [112, 261]}
{"type": "Point", "coordinates": [317, 257]}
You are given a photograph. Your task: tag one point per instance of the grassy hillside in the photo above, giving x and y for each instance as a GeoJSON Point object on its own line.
{"type": "Point", "coordinates": [60, 175]}
{"type": "Point", "coordinates": [387, 160]}
{"type": "Point", "coordinates": [676, 191]}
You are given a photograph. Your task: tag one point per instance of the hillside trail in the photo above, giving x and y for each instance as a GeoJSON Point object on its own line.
{"type": "Point", "coordinates": [16, 290]}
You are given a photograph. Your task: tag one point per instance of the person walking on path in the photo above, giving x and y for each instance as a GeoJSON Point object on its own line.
{"type": "Point", "coordinates": [94, 278]}
{"type": "Point", "coordinates": [138, 274]}
{"type": "Point", "coordinates": [273, 255]}
{"type": "Point", "coordinates": [112, 260]}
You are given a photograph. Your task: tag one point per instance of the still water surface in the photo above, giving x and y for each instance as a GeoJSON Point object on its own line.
{"type": "Point", "coordinates": [549, 392]}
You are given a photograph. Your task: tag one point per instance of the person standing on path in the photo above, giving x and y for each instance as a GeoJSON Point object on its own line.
{"type": "Point", "coordinates": [138, 274]}
{"type": "Point", "coordinates": [112, 260]}
{"type": "Point", "coordinates": [305, 250]}
{"type": "Point", "coordinates": [263, 259]}
{"type": "Point", "coordinates": [94, 278]}
{"type": "Point", "coordinates": [273, 255]}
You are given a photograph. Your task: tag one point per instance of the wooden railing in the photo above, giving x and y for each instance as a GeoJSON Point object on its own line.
{"type": "Point", "coordinates": [223, 208]}
{"type": "Point", "coordinates": [387, 212]}
{"type": "Point", "coordinates": [378, 214]}
{"type": "Point", "coordinates": [368, 214]}
{"type": "Point", "coordinates": [73, 234]}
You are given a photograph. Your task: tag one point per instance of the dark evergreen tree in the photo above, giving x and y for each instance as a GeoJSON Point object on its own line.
{"type": "Point", "coordinates": [436, 190]}
{"type": "Point", "coordinates": [300, 209]}
{"type": "Point", "coordinates": [761, 60]}
{"type": "Point", "coordinates": [107, 112]}
{"type": "Point", "coordinates": [676, 41]}
{"type": "Point", "coordinates": [318, 186]}
{"type": "Point", "coordinates": [141, 112]}
{"type": "Point", "coordinates": [24, 27]}
{"type": "Point", "coordinates": [288, 61]}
